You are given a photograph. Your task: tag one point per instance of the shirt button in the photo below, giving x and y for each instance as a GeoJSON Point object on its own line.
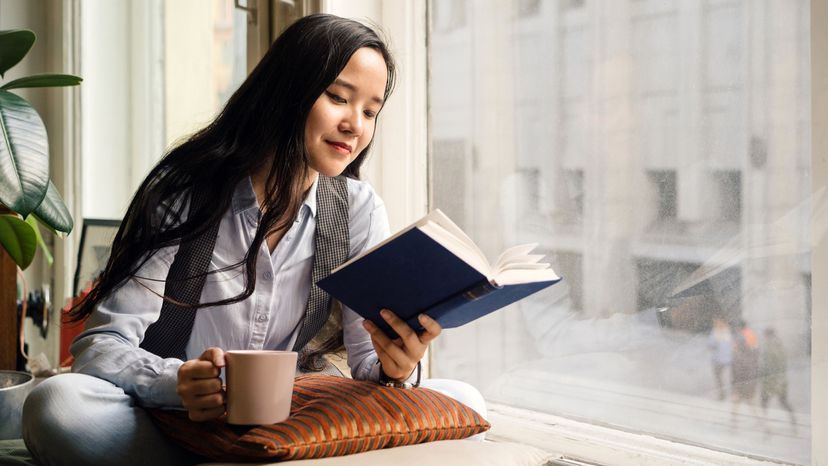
{"type": "Point", "coordinates": [268, 275]}
{"type": "Point", "coordinates": [262, 317]}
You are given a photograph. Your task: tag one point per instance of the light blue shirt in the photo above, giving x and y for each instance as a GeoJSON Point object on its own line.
{"type": "Point", "coordinates": [269, 319]}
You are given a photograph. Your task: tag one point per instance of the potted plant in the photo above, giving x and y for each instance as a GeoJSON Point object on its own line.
{"type": "Point", "coordinates": [27, 198]}
{"type": "Point", "coordinates": [26, 192]}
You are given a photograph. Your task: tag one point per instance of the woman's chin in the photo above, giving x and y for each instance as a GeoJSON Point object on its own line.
{"type": "Point", "coordinates": [331, 170]}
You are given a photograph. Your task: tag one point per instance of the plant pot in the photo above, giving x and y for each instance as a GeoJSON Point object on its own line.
{"type": "Point", "coordinates": [14, 387]}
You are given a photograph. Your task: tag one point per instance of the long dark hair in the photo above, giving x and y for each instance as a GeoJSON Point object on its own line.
{"type": "Point", "coordinates": [262, 123]}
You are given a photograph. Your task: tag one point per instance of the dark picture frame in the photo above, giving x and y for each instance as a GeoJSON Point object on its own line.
{"type": "Point", "coordinates": [93, 253]}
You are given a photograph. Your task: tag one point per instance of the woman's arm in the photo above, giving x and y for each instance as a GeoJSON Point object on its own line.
{"type": "Point", "coordinates": [108, 348]}
{"type": "Point", "coordinates": [368, 227]}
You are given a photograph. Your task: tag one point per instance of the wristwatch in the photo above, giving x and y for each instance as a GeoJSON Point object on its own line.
{"type": "Point", "coordinates": [394, 383]}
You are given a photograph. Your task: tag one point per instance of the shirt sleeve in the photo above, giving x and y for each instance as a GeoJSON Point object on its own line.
{"type": "Point", "coordinates": [368, 227]}
{"type": "Point", "coordinates": [108, 347]}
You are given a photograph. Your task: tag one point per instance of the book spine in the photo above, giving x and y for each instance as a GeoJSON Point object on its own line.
{"type": "Point", "coordinates": [440, 309]}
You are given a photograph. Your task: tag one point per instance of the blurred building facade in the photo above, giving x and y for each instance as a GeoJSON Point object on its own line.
{"type": "Point", "coordinates": [659, 152]}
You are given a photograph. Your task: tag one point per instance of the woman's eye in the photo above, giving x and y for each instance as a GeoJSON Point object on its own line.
{"type": "Point", "coordinates": [335, 97]}
{"type": "Point", "coordinates": [370, 114]}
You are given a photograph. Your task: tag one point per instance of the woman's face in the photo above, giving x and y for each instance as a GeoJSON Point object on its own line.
{"type": "Point", "coordinates": [342, 120]}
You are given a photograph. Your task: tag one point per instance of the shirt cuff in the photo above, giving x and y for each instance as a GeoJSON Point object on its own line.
{"type": "Point", "coordinates": [164, 387]}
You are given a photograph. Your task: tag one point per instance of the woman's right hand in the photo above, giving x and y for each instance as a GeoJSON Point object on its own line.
{"type": "Point", "coordinates": [199, 385]}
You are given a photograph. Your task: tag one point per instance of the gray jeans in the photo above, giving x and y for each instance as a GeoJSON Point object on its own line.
{"type": "Point", "coordinates": [78, 419]}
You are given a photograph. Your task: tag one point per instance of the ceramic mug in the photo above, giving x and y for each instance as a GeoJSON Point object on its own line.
{"type": "Point", "coordinates": [259, 385]}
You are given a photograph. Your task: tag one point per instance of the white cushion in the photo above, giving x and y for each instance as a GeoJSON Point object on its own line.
{"type": "Point", "coordinates": [446, 452]}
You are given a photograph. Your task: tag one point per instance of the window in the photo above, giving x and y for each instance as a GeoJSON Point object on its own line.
{"type": "Point", "coordinates": [154, 72]}
{"type": "Point", "coordinates": [624, 115]}
{"type": "Point", "coordinates": [665, 195]}
{"type": "Point", "coordinates": [728, 187]}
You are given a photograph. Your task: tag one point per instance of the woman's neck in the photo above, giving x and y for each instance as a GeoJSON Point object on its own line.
{"type": "Point", "coordinates": [259, 181]}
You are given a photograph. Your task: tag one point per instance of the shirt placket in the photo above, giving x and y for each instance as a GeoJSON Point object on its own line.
{"type": "Point", "coordinates": [263, 297]}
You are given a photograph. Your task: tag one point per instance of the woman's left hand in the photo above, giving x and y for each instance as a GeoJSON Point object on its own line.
{"type": "Point", "coordinates": [400, 356]}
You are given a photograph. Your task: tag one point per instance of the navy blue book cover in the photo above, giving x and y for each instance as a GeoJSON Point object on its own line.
{"type": "Point", "coordinates": [412, 274]}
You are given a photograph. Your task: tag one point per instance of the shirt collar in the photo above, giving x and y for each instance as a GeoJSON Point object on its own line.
{"type": "Point", "coordinates": [244, 198]}
{"type": "Point", "coordinates": [310, 199]}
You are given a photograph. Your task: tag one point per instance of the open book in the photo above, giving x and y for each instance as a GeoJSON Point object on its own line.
{"type": "Point", "coordinates": [433, 267]}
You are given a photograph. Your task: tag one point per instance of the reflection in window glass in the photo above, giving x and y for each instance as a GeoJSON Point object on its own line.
{"type": "Point", "coordinates": [658, 152]}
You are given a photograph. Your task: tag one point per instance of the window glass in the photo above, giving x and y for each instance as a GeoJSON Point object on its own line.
{"type": "Point", "coordinates": [154, 72]}
{"type": "Point", "coordinates": [658, 151]}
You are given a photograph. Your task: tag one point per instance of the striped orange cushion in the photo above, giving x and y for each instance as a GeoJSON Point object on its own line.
{"type": "Point", "coordinates": [330, 416]}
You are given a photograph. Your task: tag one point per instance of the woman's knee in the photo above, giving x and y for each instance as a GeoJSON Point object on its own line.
{"type": "Point", "coordinates": [461, 391]}
{"type": "Point", "coordinates": [464, 393]}
{"type": "Point", "coordinates": [61, 412]}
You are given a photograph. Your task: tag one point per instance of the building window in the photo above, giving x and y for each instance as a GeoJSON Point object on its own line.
{"type": "Point", "coordinates": [448, 178]}
{"type": "Point", "coordinates": [666, 194]}
{"type": "Point", "coordinates": [528, 8]}
{"type": "Point", "coordinates": [728, 188]}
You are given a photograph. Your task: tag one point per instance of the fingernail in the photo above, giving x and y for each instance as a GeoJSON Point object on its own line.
{"type": "Point", "coordinates": [423, 318]}
{"type": "Point", "coordinates": [367, 324]}
{"type": "Point", "coordinates": [385, 313]}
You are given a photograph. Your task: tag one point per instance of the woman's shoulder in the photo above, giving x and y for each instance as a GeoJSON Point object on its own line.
{"type": "Point", "coordinates": [367, 216]}
{"type": "Point", "coordinates": [362, 198]}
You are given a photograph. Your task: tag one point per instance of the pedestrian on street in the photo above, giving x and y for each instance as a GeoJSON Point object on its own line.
{"type": "Point", "coordinates": [720, 343]}
{"type": "Point", "coordinates": [773, 370]}
{"type": "Point", "coordinates": [745, 370]}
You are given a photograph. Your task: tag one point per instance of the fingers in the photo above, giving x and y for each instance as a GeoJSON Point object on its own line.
{"type": "Point", "coordinates": [382, 342]}
{"type": "Point", "coordinates": [204, 399]}
{"type": "Point", "coordinates": [204, 408]}
{"type": "Point", "coordinates": [197, 369]}
{"type": "Point", "coordinates": [199, 385]}
{"type": "Point", "coordinates": [393, 367]}
{"type": "Point", "coordinates": [207, 365]}
{"type": "Point", "coordinates": [400, 356]}
{"type": "Point", "coordinates": [432, 328]}
{"type": "Point", "coordinates": [206, 414]}
{"type": "Point", "coordinates": [406, 333]}
{"type": "Point", "coordinates": [214, 355]}
{"type": "Point", "coordinates": [408, 336]}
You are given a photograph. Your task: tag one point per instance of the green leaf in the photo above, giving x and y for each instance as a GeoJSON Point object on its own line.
{"type": "Point", "coordinates": [18, 239]}
{"type": "Point", "coordinates": [32, 221]}
{"type": "Point", "coordinates": [24, 155]}
{"type": "Point", "coordinates": [14, 45]}
{"type": "Point", "coordinates": [43, 80]}
{"type": "Point", "coordinates": [53, 213]}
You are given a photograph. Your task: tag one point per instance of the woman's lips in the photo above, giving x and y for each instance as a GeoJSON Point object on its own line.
{"type": "Point", "coordinates": [340, 147]}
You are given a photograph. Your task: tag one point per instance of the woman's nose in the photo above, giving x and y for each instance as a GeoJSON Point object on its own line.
{"type": "Point", "coordinates": [352, 123]}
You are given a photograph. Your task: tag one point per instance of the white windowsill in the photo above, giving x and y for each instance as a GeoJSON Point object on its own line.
{"type": "Point", "coordinates": [586, 443]}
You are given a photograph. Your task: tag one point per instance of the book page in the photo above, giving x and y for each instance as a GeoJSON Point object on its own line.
{"type": "Point", "coordinates": [513, 253]}
{"type": "Point", "coordinates": [438, 217]}
{"type": "Point", "coordinates": [523, 266]}
{"type": "Point", "coordinates": [518, 276]}
{"type": "Point", "coordinates": [458, 247]}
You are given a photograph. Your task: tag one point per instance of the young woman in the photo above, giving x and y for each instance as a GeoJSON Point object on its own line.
{"type": "Point", "coordinates": [264, 181]}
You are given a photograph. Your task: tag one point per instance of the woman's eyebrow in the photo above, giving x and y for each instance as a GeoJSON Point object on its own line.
{"type": "Point", "coordinates": [346, 84]}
